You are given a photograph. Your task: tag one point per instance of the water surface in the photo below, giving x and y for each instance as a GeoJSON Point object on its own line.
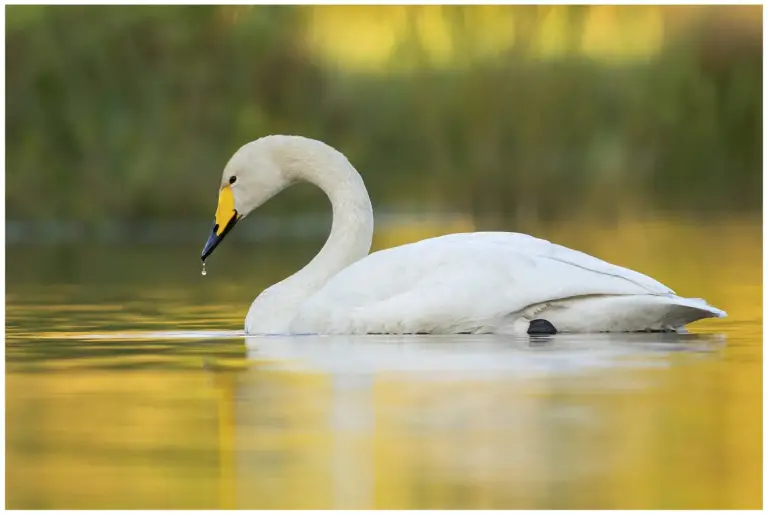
{"type": "Point", "coordinates": [130, 385]}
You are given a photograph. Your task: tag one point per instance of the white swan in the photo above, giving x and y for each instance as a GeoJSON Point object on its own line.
{"type": "Point", "coordinates": [488, 282]}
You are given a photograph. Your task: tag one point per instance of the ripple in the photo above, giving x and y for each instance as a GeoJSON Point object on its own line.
{"type": "Point", "coordinates": [139, 335]}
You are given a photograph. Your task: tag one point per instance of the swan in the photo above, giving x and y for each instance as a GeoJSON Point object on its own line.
{"type": "Point", "coordinates": [481, 282]}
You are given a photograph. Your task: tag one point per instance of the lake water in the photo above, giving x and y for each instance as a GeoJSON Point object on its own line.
{"type": "Point", "coordinates": [129, 384]}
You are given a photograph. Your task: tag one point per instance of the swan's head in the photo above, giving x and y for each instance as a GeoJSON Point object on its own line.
{"type": "Point", "coordinates": [252, 176]}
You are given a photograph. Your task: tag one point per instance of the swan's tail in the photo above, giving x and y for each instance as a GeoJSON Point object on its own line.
{"type": "Point", "coordinates": [700, 305]}
{"type": "Point", "coordinates": [683, 311]}
{"type": "Point", "coordinates": [627, 313]}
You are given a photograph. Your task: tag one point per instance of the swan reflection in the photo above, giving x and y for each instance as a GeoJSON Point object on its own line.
{"type": "Point", "coordinates": [459, 421]}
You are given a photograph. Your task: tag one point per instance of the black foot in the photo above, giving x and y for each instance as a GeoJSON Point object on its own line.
{"type": "Point", "coordinates": [541, 326]}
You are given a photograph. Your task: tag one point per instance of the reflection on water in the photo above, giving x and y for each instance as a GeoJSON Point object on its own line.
{"type": "Point", "coordinates": [473, 355]}
{"type": "Point", "coordinates": [130, 392]}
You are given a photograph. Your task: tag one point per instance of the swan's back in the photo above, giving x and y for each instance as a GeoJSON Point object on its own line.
{"type": "Point", "coordinates": [539, 248]}
{"type": "Point", "coordinates": [457, 280]}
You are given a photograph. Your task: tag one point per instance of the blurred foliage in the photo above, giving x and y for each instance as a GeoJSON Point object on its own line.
{"type": "Point", "coordinates": [117, 112]}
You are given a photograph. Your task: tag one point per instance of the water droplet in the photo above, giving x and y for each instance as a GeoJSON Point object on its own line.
{"type": "Point", "coordinates": [203, 272]}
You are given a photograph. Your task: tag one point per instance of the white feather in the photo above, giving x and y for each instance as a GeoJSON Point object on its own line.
{"type": "Point", "coordinates": [492, 282]}
{"type": "Point", "coordinates": [486, 283]}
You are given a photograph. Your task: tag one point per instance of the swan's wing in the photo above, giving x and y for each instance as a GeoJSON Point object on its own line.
{"type": "Point", "coordinates": [543, 249]}
{"type": "Point", "coordinates": [461, 280]}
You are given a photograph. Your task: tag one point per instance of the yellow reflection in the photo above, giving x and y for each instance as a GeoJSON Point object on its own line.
{"type": "Point", "coordinates": [227, 468]}
{"type": "Point", "coordinates": [411, 230]}
{"type": "Point", "coordinates": [686, 433]}
{"type": "Point", "coordinates": [100, 439]}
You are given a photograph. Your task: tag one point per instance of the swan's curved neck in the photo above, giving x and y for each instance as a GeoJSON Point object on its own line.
{"type": "Point", "coordinates": [349, 240]}
{"type": "Point", "coordinates": [352, 226]}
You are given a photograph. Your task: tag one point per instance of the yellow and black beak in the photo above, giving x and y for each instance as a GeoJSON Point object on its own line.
{"type": "Point", "coordinates": [226, 218]}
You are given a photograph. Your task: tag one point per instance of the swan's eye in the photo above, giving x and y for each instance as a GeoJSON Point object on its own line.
{"type": "Point", "coordinates": [232, 179]}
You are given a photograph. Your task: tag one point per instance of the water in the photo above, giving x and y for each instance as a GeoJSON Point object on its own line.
{"type": "Point", "coordinates": [129, 384]}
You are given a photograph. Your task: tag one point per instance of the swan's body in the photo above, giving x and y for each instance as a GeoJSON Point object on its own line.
{"type": "Point", "coordinates": [491, 282]}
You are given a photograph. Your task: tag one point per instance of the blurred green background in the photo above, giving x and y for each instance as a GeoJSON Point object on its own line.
{"type": "Point", "coordinates": [128, 113]}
